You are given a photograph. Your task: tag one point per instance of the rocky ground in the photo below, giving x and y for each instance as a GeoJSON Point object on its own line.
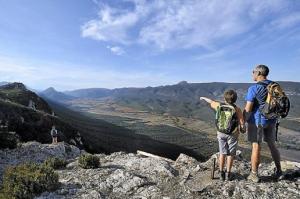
{"type": "Point", "coordinates": [124, 175]}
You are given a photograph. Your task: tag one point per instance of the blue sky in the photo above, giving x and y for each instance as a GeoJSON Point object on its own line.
{"type": "Point", "coordinates": [71, 44]}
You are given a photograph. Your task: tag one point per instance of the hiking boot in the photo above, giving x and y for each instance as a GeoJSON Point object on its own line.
{"type": "Point", "coordinates": [222, 175]}
{"type": "Point", "coordinates": [278, 175]}
{"type": "Point", "coordinates": [228, 176]}
{"type": "Point", "coordinates": [253, 177]}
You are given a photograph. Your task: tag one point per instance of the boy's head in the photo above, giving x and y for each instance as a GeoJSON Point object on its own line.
{"type": "Point", "coordinates": [230, 96]}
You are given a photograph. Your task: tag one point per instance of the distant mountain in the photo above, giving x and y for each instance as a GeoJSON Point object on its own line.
{"type": "Point", "coordinates": [3, 83]}
{"type": "Point", "coordinates": [182, 99]}
{"type": "Point", "coordinates": [54, 95]}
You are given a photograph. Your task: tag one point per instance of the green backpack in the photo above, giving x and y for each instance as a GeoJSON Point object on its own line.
{"type": "Point", "coordinates": [226, 119]}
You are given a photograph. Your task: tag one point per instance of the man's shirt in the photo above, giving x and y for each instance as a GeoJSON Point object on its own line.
{"type": "Point", "coordinates": [257, 94]}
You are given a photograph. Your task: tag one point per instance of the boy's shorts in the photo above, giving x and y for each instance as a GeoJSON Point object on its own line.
{"type": "Point", "coordinates": [267, 133]}
{"type": "Point", "coordinates": [227, 144]}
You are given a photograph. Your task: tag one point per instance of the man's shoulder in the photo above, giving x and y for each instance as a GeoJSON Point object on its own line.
{"type": "Point", "coordinates": [252, 87]}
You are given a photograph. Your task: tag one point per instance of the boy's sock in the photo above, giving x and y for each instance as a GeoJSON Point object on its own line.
{"type": "Point", "coordinates": [222, 175]}
{"type": "Point", "coordinates": [228, 176]}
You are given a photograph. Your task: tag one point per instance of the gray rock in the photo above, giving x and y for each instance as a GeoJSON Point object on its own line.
{"type": "Point", "coordinates": [128, 175]}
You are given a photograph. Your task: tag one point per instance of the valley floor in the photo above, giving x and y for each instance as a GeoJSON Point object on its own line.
{"type": "Point", "coordinates": [204, 132]}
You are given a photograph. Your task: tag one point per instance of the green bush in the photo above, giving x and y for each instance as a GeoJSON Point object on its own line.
{"type": "Point", "coordinates": [55, 163]}
{"type": "Point", "coordinates": [28, 180]}
{"type": "Point", "coordinates": [88, 161]}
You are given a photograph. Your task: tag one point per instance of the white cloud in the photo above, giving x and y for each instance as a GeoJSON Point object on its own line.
{"type": "Point", "coordinates": [116, 50]}
{"type": "Point", "coordinates": [112, 25]}
{"type": "Point", "coordinates": [181, 23]}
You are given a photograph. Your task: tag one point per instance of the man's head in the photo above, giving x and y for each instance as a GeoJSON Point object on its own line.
{"type": "Point", "coordinates": [230, 96]}
{"type": "Point", "coordinates": [260, 72]}
{"type": "Point", "coordinates": [53, 127]}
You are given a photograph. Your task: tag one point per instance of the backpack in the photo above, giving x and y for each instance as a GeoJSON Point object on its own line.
{"type": "Point", "coordinates": [277, 104]}
{"type": "Point", "coordinates": [226, 118]}
{"type": "Point", "coordinates": [54, 132]}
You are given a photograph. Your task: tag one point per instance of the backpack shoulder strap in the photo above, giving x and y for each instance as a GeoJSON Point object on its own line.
{"type": "Point", "coordinates": [264, 83]}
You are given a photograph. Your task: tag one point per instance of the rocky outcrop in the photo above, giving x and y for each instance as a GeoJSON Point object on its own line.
{"type": "Point", "coordinates": [128, 175]}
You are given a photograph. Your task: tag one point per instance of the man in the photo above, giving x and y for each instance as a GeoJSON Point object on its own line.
{"type": "Point", "coordinates": [54, 135]}
{"type": "Point", "coordinates": [260, 128]}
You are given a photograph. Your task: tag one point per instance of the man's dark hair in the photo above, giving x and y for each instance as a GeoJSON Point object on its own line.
{"type": "Point", "coordinates": [262, 70]}
{"type": "Point", "coordinates": [230, 96]}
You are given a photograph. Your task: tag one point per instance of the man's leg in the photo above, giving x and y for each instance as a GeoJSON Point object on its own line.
{"type": "Point", "coordinates": [255, 157]}
{"type": "Point", "coordinates": [275, 155]}
{"type": "Point", "coordinates": [255, 160]}
{"type": "Point", "coordinates": [270, 138]}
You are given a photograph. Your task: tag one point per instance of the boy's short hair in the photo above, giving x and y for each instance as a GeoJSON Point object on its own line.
{"type": "Point", "coordinates": [230, 96]}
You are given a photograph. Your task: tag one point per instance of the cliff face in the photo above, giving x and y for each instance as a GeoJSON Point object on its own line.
{"type": "Point", "coordinates": [124, 175]}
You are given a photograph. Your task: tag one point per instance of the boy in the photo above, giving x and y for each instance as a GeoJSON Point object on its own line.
{"type": "Point", "coordinates": [229, 122]}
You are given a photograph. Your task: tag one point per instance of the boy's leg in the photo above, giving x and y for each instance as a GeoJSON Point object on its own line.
{"type": "Point", "coordinates": [228, 175]}
{"type": "Point", "coordinates": [230, 159]}
{"type": "Point", "coordinates": [223, 150]}
{"type": "Point", "coordinates": [232, 147]}
{"type": "Point", "coordinates": [222, 161]}
{"type": "Point", "coordinates": [221, 165]}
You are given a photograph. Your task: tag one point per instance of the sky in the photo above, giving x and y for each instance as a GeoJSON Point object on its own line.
{"type": "Point", "coordinates": [70, 44]}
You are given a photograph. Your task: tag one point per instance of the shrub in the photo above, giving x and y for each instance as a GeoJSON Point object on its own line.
{"type": "Point", "coordinates": [88, 161]}
{"type": "Point", "coordinates": [55, 163]}
{"type": "Point", "coordinates": [28, 180]}
{"type": "Point", "coordinates": [8, 140]}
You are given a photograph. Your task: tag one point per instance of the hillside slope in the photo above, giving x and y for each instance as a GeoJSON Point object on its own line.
{"type": "Point", "coordinates": [32, 122]}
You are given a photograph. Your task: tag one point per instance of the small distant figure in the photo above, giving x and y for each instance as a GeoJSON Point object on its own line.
{"type": "Point", "coordinates": [31, 105]}
{"type": "Point", "coordinates": [54, 135]}
{"type": "Point", "coordinates": [4, 126]}
{"type": "Point", "coordinates": [229, 123]}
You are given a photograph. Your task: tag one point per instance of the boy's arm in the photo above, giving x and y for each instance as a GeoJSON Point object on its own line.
{"type": "Point", "coordinates": [240, 117]}
{"type": "Point", "coordinates": [241, 120]}
{"type": "Point", "coordinates": [213, 104]}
